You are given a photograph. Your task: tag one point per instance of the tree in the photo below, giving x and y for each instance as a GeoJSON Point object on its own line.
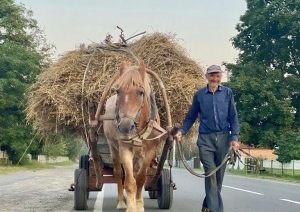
{"type": "Point", "coordinates": [23, 55]}
{"type": "Point", "coordinates": [63, 145]}
{"type": "Point", "coordinates": [263, 107]}
{"type": "Point", "coordinates": [266, 77]}
{"type": "Point", "coordinates": [268, 34]}
{"type": "Point", "coordinates": [289, 147]}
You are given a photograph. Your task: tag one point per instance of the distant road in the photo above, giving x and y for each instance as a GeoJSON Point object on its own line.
{"type": "Point", "coordinates": [47, 190]}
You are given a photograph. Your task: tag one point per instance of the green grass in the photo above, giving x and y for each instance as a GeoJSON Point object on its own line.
{"type": "Point", "coordinates": [275, 175]}
{"type": "Point", "coordinates": [33, 165]}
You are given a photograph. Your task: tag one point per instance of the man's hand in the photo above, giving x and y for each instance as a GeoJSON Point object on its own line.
{"type": "Point", "coordinates": [178, 136]}
{"type": "Point", "coordinates": [235, 145]}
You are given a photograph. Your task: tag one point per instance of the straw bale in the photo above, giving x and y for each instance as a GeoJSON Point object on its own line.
{"type": "Point", "coordinates": [57, 102]}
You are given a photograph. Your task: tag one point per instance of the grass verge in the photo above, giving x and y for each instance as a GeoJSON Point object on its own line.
{"type": "Point", "coordinates": [267, 175]}
{"type": "Point", "coordinates": [32, 165]}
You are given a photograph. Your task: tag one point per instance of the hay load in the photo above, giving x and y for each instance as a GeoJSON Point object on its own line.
{"type": "Point", "coordinates": [58, 101]}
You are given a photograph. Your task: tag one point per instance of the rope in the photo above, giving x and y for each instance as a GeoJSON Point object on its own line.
{"type": "Point", "coordinates": [246, 153]}
{"type": "Point", "coordinates": [230, 157]}
{"type": "Point", "coordinates": [204, 175]}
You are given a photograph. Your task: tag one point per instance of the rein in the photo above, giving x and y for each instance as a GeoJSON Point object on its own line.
{"type": "Point", "coordinates": [229, 158]}
{"type": "Point", "coordinates": [251, 156]}
{"type": "Point", "coordinates": [204, 175]}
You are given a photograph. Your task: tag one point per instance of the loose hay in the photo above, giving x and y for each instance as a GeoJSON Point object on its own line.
{"type": "Point", "coordinates": [58, 101]}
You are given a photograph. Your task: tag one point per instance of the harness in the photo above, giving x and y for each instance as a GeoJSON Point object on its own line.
{"type": "Point", "coordinates": [134, 119]}
{"type": "Point", "coordinates": [137, 139]}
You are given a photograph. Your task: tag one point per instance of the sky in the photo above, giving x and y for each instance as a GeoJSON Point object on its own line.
{"type": "Point", "coordinates": [202, 27]}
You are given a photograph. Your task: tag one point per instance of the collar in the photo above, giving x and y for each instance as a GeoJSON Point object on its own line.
{"type": "Point", "coordinates": [220, 88]}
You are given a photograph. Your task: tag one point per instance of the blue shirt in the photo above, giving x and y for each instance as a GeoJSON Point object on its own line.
{"type": "Point", "coordinates": [216, 112]}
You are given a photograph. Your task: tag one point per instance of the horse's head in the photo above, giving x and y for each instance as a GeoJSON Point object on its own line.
{"type": "Point", "coordinates": [132, 104]}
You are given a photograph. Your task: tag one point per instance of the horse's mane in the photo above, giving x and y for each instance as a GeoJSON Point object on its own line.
{"type": "Point", "coordinates": [132, 78]}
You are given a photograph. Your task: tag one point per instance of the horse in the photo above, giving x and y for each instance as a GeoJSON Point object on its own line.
{"type": "Point", "coordinates": [132, 137]}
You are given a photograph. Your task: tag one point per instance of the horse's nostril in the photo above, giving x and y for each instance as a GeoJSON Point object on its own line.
{"type": "Point", "coordinates": [132, 127]}
{"type": "Point", "coordinates": [126, 126]}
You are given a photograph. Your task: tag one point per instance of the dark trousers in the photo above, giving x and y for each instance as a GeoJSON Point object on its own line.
{"type": "Point", "coordinates": [213, 148]}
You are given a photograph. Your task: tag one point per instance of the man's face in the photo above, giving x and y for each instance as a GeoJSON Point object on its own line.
{"type": "Point", "coordinates": [214, 79]}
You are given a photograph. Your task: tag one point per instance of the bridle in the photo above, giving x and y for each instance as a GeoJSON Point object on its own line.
{"type": "Point", "coordinates": [135, 119]}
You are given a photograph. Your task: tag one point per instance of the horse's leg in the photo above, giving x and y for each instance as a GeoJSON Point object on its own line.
{"type": "Point", "coordinates": [140, 181]}
{"type": "Point", "coordinates": [130, 183]}
{"type": "Point", "coordinates": [118, 174]}
{"type": "Point", "coordinates": [141, 178]}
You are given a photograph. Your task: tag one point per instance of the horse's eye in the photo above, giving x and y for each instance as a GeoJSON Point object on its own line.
{"type": "Point", "coordinates": [141, 93]}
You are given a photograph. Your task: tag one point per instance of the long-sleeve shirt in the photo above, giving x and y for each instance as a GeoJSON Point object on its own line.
{"type": "Point", "coordinates": [216, 111]}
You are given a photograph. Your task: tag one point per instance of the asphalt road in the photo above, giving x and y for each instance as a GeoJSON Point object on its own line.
{"type": "Point", "coordinates": [47, 190]}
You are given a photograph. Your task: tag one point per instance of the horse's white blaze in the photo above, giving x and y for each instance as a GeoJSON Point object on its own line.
{"type": "Point", "coordinates": [126, 98]}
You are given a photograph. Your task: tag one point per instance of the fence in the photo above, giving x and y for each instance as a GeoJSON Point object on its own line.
{"type": "Point", "coordinates": [249, 165]}
{"type": "Point", "coordinates": [5, 161]}
{"type": "Point", "coordinates": [269, 166]}
{"type": "Point", "coordinates": [41, 159]}
{"type": "Point", "coordinates": [45, 159]}
{"type": "Point", "coordinates": [3, 154]}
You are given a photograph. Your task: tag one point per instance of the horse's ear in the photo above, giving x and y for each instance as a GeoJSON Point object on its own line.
{"type": "Point", "coordinates": [142, 70]}
{"type": "Point", "coordinates": [122, 67]}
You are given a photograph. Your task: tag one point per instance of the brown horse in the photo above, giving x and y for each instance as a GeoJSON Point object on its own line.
{"type": "Point", "coordinates": [133, 138]}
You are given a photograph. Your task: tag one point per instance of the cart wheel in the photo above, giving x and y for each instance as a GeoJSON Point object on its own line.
{"type": "Point", "coordinates": [85, 164]}
{"type": "Point", "coordinates": [152, 194]}
{"type": "Point", "coordinates": [165, 192]}
{"type": "Point", "coordinates": [80, 193]}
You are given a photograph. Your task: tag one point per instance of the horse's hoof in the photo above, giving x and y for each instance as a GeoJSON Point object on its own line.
{"type": "Point", "coordinates": [140, 209]}
{"type": "Point", "coordinates": [121, 205]}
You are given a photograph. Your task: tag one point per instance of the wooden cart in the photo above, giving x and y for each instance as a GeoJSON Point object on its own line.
{"type": "Point", "coordinates": [160, 188]}
{"type": "Point", "coordinates": [97, 170]}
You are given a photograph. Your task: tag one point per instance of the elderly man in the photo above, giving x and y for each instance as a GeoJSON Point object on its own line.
{"type": "Point", "coordinates": [219, 128]}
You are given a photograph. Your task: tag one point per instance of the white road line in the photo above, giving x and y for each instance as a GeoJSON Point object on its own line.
{"type": "Point", "coordinates": [287, 200]}
{"type": "Point", "coordinates": [99, 200]}
{"type": "Point", "coordinates": [252, 192]}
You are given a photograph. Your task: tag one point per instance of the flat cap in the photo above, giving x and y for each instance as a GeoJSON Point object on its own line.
{"type": "Point", "coordinates": [214, 69]}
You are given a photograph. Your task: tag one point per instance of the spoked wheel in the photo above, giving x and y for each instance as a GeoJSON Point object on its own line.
{"type": "Point", "coordinates": [165, 192]}
{"type": "Point", "coordinates": [152, 194]}
{"type": "Point", "coordinates": [80, 193]}
{"type": "Point", "coordinates": [85, 164]}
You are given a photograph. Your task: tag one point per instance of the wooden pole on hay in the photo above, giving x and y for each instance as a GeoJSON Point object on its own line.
{"type": "Point", "coordinates": [92, 141]}
{"type": "Point", "coordinates": [95, 123]}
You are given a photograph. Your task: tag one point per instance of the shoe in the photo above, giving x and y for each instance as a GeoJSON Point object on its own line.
{"type": "Point", "coordinates": [204, 209]}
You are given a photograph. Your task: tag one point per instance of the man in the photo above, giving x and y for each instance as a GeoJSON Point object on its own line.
{"type": "Point", "coordinates": [219, 128]}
